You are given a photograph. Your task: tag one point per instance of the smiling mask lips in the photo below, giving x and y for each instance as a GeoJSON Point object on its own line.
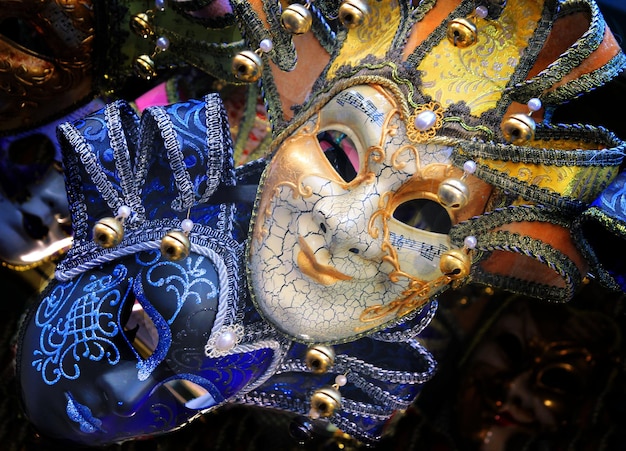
{"type": "Point", "coordinates": [125, 343]}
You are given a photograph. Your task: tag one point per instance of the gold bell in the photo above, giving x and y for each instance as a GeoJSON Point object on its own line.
{"type": "Point", "coordinates": [296, 19]}
{"type": "Point", "coordinates": [352, 13]}
{"type": "Point", "coordinates": [455, 263]}
{"type": "Point", "coordinates": [144, 67]}
{"type": "Point", "coordinates": [175, 245]}
{"type": "Point", "coordinates": [141, 26]}
{"type": "Point", "coordinates": [247, 66]}
{"type": "Point", "coordinates": [325, 401]}
{"type": "Point", "coordinates": [319, 358]}
{"type": "Point", "coordinates": [108, 232]}
{"type": "Point", "coordinates": [462, 32]}
{"type": "Point", "coordinates": [518, 129]}
{"type": "Point", "coordinates": [453, 193]}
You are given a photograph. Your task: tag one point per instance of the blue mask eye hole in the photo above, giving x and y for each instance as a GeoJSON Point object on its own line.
{"type": "Point", "coordinates": [140, 329]}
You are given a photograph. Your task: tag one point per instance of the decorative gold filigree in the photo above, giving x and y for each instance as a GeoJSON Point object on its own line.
{"type": "Point", "coordinates": [420, 136]}
{"type": "Point", "coordinates": [418, 291]}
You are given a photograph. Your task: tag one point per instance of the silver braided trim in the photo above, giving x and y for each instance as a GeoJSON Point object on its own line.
{"type": "Point", "coordinates": [92, 166]}
{"type": "Point", "coordinates": [377, 393]}
{"type": "Point", "coordinates": [119, 144]}
{"type": "Point", "coordinates": [185, 198]}
{"type": "Point", "coordinates": [405, 335]}
{"type": "Point", "coordinates": [279, 352]}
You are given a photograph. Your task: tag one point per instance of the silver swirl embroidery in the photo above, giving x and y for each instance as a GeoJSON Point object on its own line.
{"type": "Point", "coordinates": [184, 284]}
{"type": "Point", "coordinates": [84, 333]}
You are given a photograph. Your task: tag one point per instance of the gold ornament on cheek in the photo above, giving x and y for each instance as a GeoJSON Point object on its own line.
{"type": "Point", "coordinates": [418, 291]}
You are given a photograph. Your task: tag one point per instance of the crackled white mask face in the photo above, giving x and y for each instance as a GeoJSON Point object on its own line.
{"type": "Point", "coordinates": [348, 232]}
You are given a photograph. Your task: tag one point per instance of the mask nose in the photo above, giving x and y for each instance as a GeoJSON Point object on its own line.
{"type": "Point", "coordinates": [345, 225]}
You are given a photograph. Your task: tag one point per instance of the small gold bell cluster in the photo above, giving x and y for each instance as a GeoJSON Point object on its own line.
{"type": "Point", "coordinates": [142, 24]}
{"type": "Point", "coordinates": [324, 401]}
{"type": "Point", "coordinates": [296, 19]}
{"type": "Point", "coordinates": [108, 232]}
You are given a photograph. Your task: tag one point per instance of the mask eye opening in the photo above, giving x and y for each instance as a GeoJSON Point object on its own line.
{"type": "Point", "coordinates": [140, 330]}
{"type": "Point", "coordinates": [424, 214]}
{"type": "Point", "coordinates": [560, 378]}
{"type": "Point", "coordinates": [192, 395]}
{"type": "Point", "coordinates": [341, 153]}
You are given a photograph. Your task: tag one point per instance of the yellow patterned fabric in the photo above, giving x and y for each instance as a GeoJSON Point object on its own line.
{"type": "Point", "coordinates": [478, 75]}
{"type": "Point", "coordinates": [373, 38]}
{"type": "Point", "coordinates": [578, 182]}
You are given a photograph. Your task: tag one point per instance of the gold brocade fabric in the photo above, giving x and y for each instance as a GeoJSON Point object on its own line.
{"type": "Point", "coordinates": [374, 38]}
{"type": "Point", "coordinates": [578, 182]}
{"type": "Point", "coordinates": [477, 75]}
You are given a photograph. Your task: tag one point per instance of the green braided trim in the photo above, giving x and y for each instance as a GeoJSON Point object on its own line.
{"type": "Point", "coordinates": [587, 82]}
{"type": "Point", "coordinates": [271, 99]}
{"type": "Point", "coordinates": [613, 226]}
{"type": "Point", "coordinates": [251, 26]}
{"type": "Point", "coordinates": [439, 33]}
{"type": "Point", "coordinates": [322, 31]}
{"type": "Point", "coordinates": [573, 57]}
{"type": "Point", "coordinates": [611, 154]}
{"type": "Point", "coordinates": [488, 241]}
{"type": "Point", "coordinates": [532, 193]}
{"type": "Point", "coordinates": [283, 53]}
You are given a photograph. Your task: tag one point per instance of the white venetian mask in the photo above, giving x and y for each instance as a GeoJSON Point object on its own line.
{"type": "Point", "coordinates": [349, 231]}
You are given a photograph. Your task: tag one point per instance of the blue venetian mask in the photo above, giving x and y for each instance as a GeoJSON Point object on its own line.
{"type": "Point", "coordinates": [125, 343]}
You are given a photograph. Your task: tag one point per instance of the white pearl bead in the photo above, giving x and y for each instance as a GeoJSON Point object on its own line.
{"type": "Point", "coordinates": [123, 211]}
{"type": "Point", "coordinates": [163, 43]}
{"type": "Point", "coordinates": [425, 120]}
{"type": "Point", "coordinates": [470, 242]}
{"type": "Point", "coordinates": [534, 104]}
{"type": "Point", "coordinates": [481, 12]}
{"type": "Point", "coordinates": [469, 166]}
{"type": "Point", "coordinates": [341, 380]}
{"type": "Point", "coordinates": [160, 4]}
{"type": "Point", "coordinates": [226, 341]}
{"type": "Point", "coordinates": [186, 225]}
{"type": "Point", "coordinates": [266, 45]}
